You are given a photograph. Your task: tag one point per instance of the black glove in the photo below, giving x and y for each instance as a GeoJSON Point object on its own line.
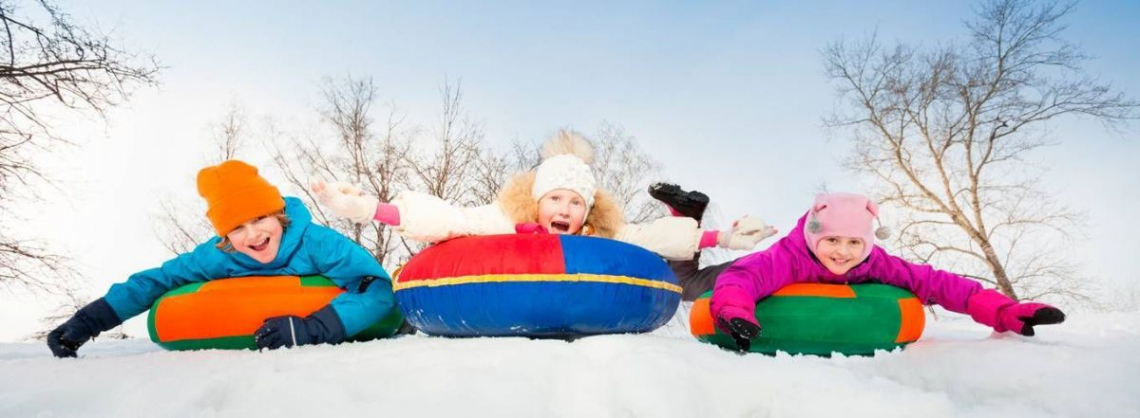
{"type": "Point", "coordinates": [742, 332]}
{"type": "Point", "coordinates": [323, 326]}
{"type": "Point", "coordinates": [87, 323]}
{"type": "Point", "coordinates": [1046, 315]}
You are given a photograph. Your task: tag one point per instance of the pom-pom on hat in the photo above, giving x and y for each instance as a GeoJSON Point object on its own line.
{"type": "Point", "coordinates": [565, 165]}
{"type": "Point", "coordinates": [843, 215]}
{"type": "Point", "coordinates": [236, 194]}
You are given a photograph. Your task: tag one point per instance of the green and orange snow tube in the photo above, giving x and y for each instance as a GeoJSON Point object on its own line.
{"type": "Point", "coordinates": [224, 314]}
{"type": "Point", "coordinates": [821, 319]}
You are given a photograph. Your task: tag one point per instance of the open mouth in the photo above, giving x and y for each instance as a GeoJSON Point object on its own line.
{"type": "Point", "coordinates": [559, 227]}
{"type": "Point", "coordinates": [261, 246]}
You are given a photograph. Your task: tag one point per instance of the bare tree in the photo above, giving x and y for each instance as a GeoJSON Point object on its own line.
{"type": "Point", "coordinates": [491, 172]}
{"type": "Point", "coordinates": [454, 163]}
{"type": "Point", "coordinates": [229, 133]}
{"type": "Point", "coordinates": [494, 169]}
{"type": "Point", "coordinates": [45, 66]}
{"type": "Point", "coordinates": [947, 133]}
{"type": "Point", "coordinates": [181, 227]}
{"type": "Point", "coordinates": [1124, 298]}
{"type": "Point", "coordinates": [625, 170]}
{"type": "Point", "coordinates": [377, 163]}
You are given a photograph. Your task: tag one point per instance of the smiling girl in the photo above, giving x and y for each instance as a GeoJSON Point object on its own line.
{"type": "Point", "coordinates": [834, 243]}
{"type": "Point", "coordinates": [259, 234]}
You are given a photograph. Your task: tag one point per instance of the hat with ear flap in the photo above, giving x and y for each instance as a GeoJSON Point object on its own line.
{"type": "Point", "coordinates": [844, 215]}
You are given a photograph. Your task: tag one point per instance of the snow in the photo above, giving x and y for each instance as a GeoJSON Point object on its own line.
{"type": "Point", "coordinates": [1086, 367]}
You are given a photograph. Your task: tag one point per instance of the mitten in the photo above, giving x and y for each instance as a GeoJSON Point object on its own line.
{"type": "Point", "coordinates": [990, 307]}
{"type": "Point", "coordinates": [734, 313]}
{"type": "Point", "coordinates": [345, 200]}
{"type": "Point", "coordinates": [745, 234]}
{"type": "Point", "coordinates": [87, 323]}
{"type": "Point", "coordinates": [323, 326]}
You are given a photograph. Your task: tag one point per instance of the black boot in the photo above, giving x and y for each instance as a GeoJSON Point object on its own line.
{"type": "Point", "coordinates": [689, 204]}
{"type": "Point", "coordinates": [406, 328]}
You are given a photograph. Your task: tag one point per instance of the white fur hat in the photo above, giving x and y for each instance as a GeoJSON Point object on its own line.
{"type": "Point", "coordinates": [565, 165]}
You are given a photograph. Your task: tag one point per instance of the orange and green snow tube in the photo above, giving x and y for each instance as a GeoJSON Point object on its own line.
{"type": "Point", "coordinates": [223, 314]}
{"type": "Point", "coordinates": [821, 319]}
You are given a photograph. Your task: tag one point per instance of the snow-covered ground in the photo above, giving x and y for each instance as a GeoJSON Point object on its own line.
{"type": "Point", "coordinates": [1087, 367]}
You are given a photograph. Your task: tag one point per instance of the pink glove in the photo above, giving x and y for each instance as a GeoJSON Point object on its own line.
{"type": "Point", "coordinates": [734, 313]}
{"type": "Point", "coordinates": [530, 228]}
{"type": "Point", "coordinates": [990, 307]}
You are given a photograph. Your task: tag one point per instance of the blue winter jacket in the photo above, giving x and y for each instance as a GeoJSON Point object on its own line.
{"type": "Point", "coordinates": [306, 249]}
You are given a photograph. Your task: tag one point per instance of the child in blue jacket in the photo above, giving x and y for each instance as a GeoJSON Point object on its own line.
{"type": "Point", "coordinates": [259, 234]}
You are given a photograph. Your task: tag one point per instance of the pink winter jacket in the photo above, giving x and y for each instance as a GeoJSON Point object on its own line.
{"type": "Point", "coordinates": [789, 261]}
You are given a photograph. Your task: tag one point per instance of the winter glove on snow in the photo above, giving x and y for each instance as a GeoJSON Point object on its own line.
{"type": "Point", "coordinates": [345, 200]}
{"type": "Point", "coordinates": [745, 234]}
{"type": "Point", "coordinates": [735, 315]}
{"type": "Point", "coordinates": [530, 228]}
{"type": "Point", "coordinates": [322, 327]}
{"type": "Point", "coordinates": [87, 323]}
{"type": "Point", "coordinates": [990, 307]}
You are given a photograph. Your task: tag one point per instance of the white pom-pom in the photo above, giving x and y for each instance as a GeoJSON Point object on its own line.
{"type": "Point", "coordinates": [569, 142]}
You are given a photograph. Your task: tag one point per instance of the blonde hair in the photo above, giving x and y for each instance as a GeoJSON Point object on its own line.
{"type": "Point", "coordinates": [226, 246]}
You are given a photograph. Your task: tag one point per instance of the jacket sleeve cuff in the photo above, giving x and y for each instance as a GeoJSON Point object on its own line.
{"type": "Point", "coordinates": [708, 239]}
{"type": "Point", "coordinates": [326, 326]}
{"type": "Point", "coordinates": [387, 214]}
{"type": "Point", "coordinates": [99, 315]}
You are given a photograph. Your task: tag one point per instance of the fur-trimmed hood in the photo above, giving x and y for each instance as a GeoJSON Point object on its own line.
{"type": "Point", "coordinates": [604, 220]}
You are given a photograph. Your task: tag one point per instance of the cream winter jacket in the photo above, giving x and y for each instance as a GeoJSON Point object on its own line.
{"type": "Point", "coordinates": [427, 218]}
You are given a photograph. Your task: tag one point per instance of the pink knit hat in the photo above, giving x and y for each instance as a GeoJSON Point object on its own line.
{"type": "Point", "coordinates": [843, 215]}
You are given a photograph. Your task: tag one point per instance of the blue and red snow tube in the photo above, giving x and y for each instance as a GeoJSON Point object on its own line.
{"type": "Point", "coordinates": [536, 285]}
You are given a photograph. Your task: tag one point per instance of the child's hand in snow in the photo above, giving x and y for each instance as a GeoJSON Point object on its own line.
{"type": "Point", "coordinates": [87, 323]}
{"type": "Point", "coordinates": [1022, 317]}
{"type": "Point", "coordinates": [745, 234]}
{"type": "Point", "coordinates": [345, 200]}
{"type": "Point", "coordinates": [990, 307]}
{"type": "Point", "coordinates": [734, 314]}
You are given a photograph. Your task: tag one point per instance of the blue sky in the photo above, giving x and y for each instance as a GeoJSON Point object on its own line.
{"type": "Point", "coordinates": [728, 96]}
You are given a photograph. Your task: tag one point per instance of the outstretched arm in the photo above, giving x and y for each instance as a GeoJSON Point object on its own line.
{"type": "Point", "coordinates": [931, 285]}
{"type": "Point", "coordinates": [678, 238]}
{"type": "Point", "coordinates": [132, 297]}
{"type": "Point", "coordinates": [959, 294]}
{"type": "Point", "coordinates": [417, 216]}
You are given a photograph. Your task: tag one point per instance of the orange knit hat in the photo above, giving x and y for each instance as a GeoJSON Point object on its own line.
{"type": "Point", "coordinates": [235, 194]}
